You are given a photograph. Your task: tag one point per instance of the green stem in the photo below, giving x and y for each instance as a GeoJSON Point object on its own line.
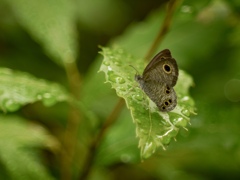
{"type": "Point", "coordinates": [93, 146]}
{"type": "Point", "coordinates": [172, 5]}
{"type": "Point", "coordinates": [70, 135]}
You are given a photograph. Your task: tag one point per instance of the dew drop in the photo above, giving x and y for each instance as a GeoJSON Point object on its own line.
{"type": "Point", "coordinates": [185, 98]}
{"type": "Point", "coordinates": [48, 99]}
{"type": "Point", "coordinates": [186, 112]}
{"type": "Point", "coordinates": [115, 78]}
{"type": "Point", "coordinates": [138, 121]}
{"type": "Point", "coordinates": [11, 106]}
{"type": "Point", "coordinates": [112, 77]}
{"type": "Point", "coordinates": [143, 131]}
{"type": "Point", "coordinates": [129, 78]}
{"type": "Point", "coordinates": [109, 68]}
{"type": "Point", "coordinates": [39, 97]}
{"type": "Point", "coordinates": [125, 158]}
{"type": "Point", "coordinates": [117, 63]}
{"type": "Point", "coordinates": [180, 122]}
{"type": "Point", "coordinates": [180, 119]}
{"type": "Point", "coordinates": [186, 9]}
{"type": "Point", "coordinates": [106, 63]}
{"type": "Point", "coordinates": [120, 80]}
{"type": "Point", "coordinates": [121, 88]}
{"type": "Point", "coordinates": [137, 97]}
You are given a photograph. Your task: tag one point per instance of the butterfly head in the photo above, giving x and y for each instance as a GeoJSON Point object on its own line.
{"type": "Point", "coordinates": [138, 77]}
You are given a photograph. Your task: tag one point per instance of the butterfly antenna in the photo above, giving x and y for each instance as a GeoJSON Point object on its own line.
{"type": "Point", "coordinates": [134, 68]}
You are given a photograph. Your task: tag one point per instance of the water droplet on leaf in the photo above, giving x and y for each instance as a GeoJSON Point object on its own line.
{"type": "Point", "coordinates": [186, 112]}
{"type": "Point", "coordinates": [109, 68]}
{"type": "Point", "coordinates": [187, 9]}
{"type": "Point", "coordinates": [117, 63]}
{"type": "Point", "coordinates": [39, 97]}
{"type": "Point", "coordinates": [125, 158]}
{"type": "Point", "coordinates": [120, 80]}
{"type": "Point", "coordinates": [122, 89]}
{"type": "Point", "coordinates": [143, 131]}
{"type": "Point", "coordinates": [115, 78]}
{"type": "Point", "coordinates": [11, 106]}
{"type": "Point", "coordinates": [137, 97]}
{"type": "Point", "coordinates": [106, 63]}
{"type": "Point", "coordinates": [185, 98]}
{"type": "Point", "coordinates": [182, 122]}
{"type": "Point", "coordinates": [48, 99]}
{"type": "Point", "coordinates": [111, 76]}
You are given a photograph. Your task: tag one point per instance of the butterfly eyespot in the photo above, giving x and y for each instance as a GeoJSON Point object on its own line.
{"type": "Point", "coordinates": [167, 90]}
{"type": "Point", "coordinates": [170, 101]}
{"type": "Point", "coordinates": [163, 108]}
{"type": "Point", "coordinates": [167, 68]}
{"type": "Point", "coordinates": [166, 103]}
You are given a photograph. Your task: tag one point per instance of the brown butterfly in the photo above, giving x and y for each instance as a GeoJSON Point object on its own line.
{"type": "Point", "coordinates": [158, 79]}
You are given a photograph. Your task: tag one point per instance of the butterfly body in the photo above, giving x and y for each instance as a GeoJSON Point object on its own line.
{"type": "Point", "coordinates": [158, 79]}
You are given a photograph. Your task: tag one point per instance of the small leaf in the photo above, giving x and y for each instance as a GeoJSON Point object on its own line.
{"type": "Point", "coordinates": [154, 128]}
{"type": "Point", "coordinates": [51, 23]}
{"type": "Point", "coordinates": [18, 89]}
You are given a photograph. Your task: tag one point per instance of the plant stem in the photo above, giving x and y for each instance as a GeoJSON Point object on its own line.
{"type": "Point", "coordinates": [172, 5]}
{"type": "Point", "coordinates": [93, 146]}
{"type": "Point", "coordinates": [118, 107]}
{"type": "Point", "coordinates": [70, 135]}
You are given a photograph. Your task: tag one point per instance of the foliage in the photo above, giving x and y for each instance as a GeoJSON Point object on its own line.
{"type": "Point", "coordinates": [41, 138]}
{"type": "Point", "coordinates": [19, 146]}
{"type": "Point", "coordinates": [42, 20]}
{"type": "Point", "coordinates": [154, 128]}
{"type": "Point", "coordinates": [18, 89]}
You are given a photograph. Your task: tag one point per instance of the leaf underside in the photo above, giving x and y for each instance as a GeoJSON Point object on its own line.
{"type": "Point", "coordinates": [153, 128]}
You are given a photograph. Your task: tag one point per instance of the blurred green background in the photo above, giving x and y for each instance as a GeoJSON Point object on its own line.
{"type": "Point", "coordinates": [204, 39]}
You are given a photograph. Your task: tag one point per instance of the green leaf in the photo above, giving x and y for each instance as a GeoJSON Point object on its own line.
{"type": "Point", "coordinates": [51, 23]}
{"type": "Point", "coordinates": [121, 144]}
{"type": "Point", "coordinates": [19, 88]}
{"type": "Point", "coordinates": [154, 128]}
{"type": "Point", "coordinates": [19, 141]}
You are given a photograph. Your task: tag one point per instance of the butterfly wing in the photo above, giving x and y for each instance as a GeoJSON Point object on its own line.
{"type": "Point", "coordinates": [162, 54]}
{"type": "Point", "coordinates": [162, 68]}
{"type": "Point", "coordinates": [158, 79]}
{"type": "Point", "coordinates": [161, 94]}
{"type": "Point", "coordinates": [168, 99]}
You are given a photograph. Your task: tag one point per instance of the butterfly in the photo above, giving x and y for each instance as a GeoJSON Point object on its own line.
{"type": "Point", "coordinates": [158, 79]}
